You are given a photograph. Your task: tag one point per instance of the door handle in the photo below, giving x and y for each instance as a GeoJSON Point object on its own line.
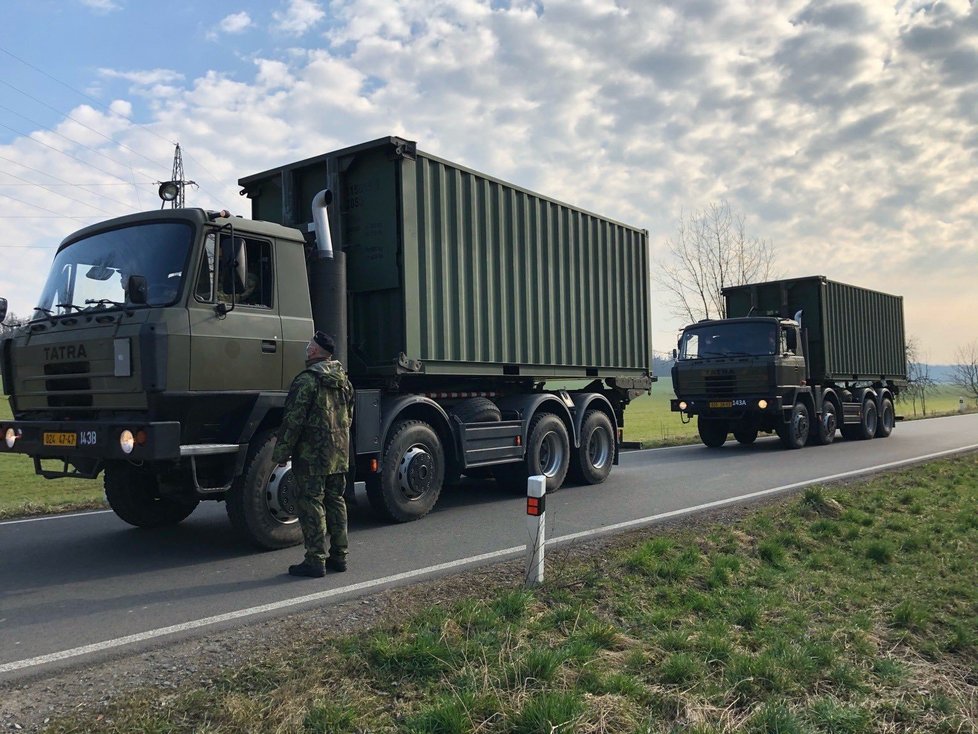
{"type": "Point", "coordinates": [269, 346]}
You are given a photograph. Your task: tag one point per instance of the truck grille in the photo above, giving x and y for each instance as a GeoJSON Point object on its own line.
{"type": "Point", "coordinates": [68, 378]}
{"type": "Point", "coordinates": [720, 385]}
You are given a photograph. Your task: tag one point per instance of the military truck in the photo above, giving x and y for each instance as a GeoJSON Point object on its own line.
{"type": "Point", "coordinates": [164, 342]}
{"type": "Point", "coordinates": [800, 358]}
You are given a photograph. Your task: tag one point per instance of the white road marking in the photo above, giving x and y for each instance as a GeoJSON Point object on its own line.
{"type": "Point", "coordinates": [471, 560]}
{"type": "Point", "coordinates": [54, 517]}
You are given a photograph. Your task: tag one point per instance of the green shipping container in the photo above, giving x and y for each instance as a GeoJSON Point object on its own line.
{"type": "Point", "coordinates": [854, 334]}
{"type": "Point", "coordinates": [466, 273]}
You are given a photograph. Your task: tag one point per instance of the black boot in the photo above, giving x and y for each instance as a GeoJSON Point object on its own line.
{"type": "Point", "coordinates": [312, 570]}
{"type": "Point", "coordinates": [336, 563]}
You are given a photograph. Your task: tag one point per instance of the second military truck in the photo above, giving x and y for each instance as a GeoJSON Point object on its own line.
{"type": "Point", "coordinates": [801, 358]}
{"type": "Point", "coordinates": [164, 342]}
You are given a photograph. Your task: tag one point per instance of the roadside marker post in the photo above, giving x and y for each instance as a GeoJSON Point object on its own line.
{"type": "Point", "coordinates": [536, 520]}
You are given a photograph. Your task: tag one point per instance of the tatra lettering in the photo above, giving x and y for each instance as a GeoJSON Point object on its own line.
{"type": "Point", "coordinates": [70, 351]}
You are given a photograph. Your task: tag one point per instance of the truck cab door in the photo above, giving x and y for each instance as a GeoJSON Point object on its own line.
{"type": "Point", "coordinates": [235, 328]}
{"type": "Point", "coordinates": [791, 364]}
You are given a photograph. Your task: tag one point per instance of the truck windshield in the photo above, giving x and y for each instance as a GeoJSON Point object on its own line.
{"type": "Point", "coordinates": [747, 339]}
{"type": "Point", "coordinates": [92, 273]}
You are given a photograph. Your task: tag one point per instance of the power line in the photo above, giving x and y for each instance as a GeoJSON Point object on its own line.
{"type": "Point", "coordinates": [37, 206]}
{"type": "Point", "coordinates": [66, 183]}
{"type": "Point", "coordinates": [70, 140]}
{"type": "Point", "coordinates": [69, 155]}
{"type": "Point", "coordinates": [79, 122]}
{"type": "Point", "coordinates": [58, 193]}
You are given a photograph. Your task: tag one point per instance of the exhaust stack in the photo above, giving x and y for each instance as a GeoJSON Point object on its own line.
{"type": "Point", "coordinates": [320, 218]}
{"type": "Point", "coordinates": [327, 279]}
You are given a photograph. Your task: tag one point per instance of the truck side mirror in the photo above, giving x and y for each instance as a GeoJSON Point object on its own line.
{"type": "Point", "coordinates": [137, 290]}
{"type": "Point", "coordinates": [3, 309]}
{"type": "Point", "coordinates": [675, 354]}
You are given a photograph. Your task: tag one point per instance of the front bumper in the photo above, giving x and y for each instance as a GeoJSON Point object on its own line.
{"type": "Point", "coordinates": [68, 440]}
{"type": "Point", "coordinates": [728, 407]}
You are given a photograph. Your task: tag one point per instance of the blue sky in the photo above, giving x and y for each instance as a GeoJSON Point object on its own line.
{"type": "Point", "coordinates": [844, 132]}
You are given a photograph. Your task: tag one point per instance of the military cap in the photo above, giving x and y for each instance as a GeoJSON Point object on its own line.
{"type": "Point", "coordinates": [325, 341]}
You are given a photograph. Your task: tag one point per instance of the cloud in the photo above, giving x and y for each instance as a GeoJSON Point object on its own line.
{"type": "Point", "coordinates": [299, 17]}
{"type": "Point", "coordinates": [101, 6]}
{"type": "Point", "coordinates": [843, 132]}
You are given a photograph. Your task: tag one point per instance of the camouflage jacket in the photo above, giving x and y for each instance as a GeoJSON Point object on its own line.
{"type": "Point", "coordinates": [315, 428]}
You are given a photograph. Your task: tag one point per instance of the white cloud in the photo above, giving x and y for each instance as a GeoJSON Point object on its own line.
{"type": "Point", "coordinates": [101, 6]}
{"type": "Point", "coordinates": [299, 17]}
{"type": "Point", "coordinates": [844, 132]}
{"type": "Point", "coordinates": [236, 22]}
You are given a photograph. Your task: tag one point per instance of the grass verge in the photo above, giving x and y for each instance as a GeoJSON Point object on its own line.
{"type": "Point", "coordinates": [843, 609]}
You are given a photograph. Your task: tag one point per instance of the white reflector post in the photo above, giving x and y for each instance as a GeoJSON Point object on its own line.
{"type": "Point", "coordinates": [536, 520]}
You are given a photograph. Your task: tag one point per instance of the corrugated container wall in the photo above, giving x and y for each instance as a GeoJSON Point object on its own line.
{"type": "Point", "coordinates": [467, 273]}
{"type": "Point", "coordinates": [853, 333]}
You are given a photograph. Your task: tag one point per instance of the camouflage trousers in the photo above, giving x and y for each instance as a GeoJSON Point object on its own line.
{"type": "Point", "coordinates": [322, 510]}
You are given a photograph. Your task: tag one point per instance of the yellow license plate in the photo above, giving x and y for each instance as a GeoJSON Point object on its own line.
{"type": "Point", "coordinates": [60, 439]}
{"type": "Point", "coordinates": [721, 403]}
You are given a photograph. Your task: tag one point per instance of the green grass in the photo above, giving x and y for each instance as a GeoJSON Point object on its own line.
{"type": "Point", "coordinates": [766, 624]}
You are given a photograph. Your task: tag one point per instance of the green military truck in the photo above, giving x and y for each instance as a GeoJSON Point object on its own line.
{"type": "Point", "coordinates": [800, 358]}
{"type": "Point", "coordinates": [164, 342]}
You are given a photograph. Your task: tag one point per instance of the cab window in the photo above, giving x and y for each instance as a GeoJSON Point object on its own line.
{"type": "Point", "coordinates": [241, 267]}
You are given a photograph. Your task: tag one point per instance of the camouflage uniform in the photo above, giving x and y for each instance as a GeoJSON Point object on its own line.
{"type": "Point", "coordinates": [315, 432]}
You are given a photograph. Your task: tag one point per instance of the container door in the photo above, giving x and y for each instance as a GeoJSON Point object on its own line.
{"type": "Point", "coordinates": [242, 348]}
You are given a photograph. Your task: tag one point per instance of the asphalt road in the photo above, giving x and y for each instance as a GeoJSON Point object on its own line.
{"type": "Point", "coordinates": [80, 587]}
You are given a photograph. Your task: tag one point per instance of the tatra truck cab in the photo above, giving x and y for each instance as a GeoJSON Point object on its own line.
{"type": "Point", "coordinates": [163, 343]}
{"type": "Point", "coordinates": [801, 358]}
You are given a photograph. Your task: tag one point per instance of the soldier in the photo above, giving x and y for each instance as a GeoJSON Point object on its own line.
{"type": "Point", "coordinates": [315, 432]}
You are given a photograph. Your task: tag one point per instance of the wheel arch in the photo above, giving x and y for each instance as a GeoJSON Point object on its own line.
{"type": "Point", "coordinates": [531, 404]}
{"type": "Point", "coordinates": [419, 407]}
{"type": "Point", "coordinates": [583, 402]}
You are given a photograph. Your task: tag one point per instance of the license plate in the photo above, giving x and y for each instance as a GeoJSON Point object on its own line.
{"type": "Point", "coordinates": [721, 403]}
{"type": "Point", "coordinates": [60, 439]}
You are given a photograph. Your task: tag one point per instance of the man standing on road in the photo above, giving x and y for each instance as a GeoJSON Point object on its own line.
{"type": "Point", "coordinates": [315, 432]}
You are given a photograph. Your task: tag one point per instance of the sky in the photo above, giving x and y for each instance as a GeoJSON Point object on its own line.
{"type": "Point", "coordinates": [843, 132]}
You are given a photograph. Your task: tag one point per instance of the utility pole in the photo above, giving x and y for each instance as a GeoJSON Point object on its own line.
{"type": "Point", "coordinates": [173, 190]}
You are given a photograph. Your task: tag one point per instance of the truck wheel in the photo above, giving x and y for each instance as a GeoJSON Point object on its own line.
{"type": "Point", "coordinates": [261, 502]}
{"type": "Point", "coordinates": [870, 420]}
{"type": "Point", "coordinates": [547, 454]}
{"type": "Point", "coordinates": [411, 476]}
{"type": "Point", "coordinates": [887, 419]}
{"type": "Point", "coordinates": [794, 435]}
{"type": "Point", "coordinates": [823, 430]}
{"type": "Point", "coordinates": [133, 494]}
{"type": "Point", "coordinates": [745, 434]}
{"type": "Point", "coordinates": [713, 433]}
{"type": "Point", "coordinates": [591, 463]}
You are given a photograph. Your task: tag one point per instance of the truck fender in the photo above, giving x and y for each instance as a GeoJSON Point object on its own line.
{"type": "Point", "coordinates": [422, 408]}
{"type": "Point", "coordinates": [530, 404]}
{"type": "Point", "coordinates": [585, 401]}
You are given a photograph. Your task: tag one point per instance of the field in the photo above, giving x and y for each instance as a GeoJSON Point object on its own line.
{"type": "Point", "coordinates": [648, 422]}
{"type": "Point", "coordinates": [849, 609]}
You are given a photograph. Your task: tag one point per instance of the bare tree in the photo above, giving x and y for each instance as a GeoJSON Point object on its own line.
{"type": "Point", "coordinates": [10, 324]}
{"type": "Point", "coordinates": [711, 251]}
{"type": "Point", "coordinates": [964, 372]}
{"type": "Point", "coordinates": [919, 381]}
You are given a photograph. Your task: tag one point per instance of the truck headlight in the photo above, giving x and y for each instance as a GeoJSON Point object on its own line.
{"type": "Point", "coordinates": [762, 404]}
{"type": "Point", "coordinates": [127, 441]}
{"type": "Point", "coordinates": [11, 437]}
{"type": "Point", "coordinates": [683, 405]}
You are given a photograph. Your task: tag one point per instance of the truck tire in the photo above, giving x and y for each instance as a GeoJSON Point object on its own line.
{"type": "Point", "coordinates": [264, 515]}
{"type": "Point", "coordinates": [823, 429]}
{"type": "Point", "coordinates": [794, 435]}
{"type": "Point", "coordinates": [745, 435]}
{"type": "Point", "coordinates": [591, 463]}
{"type": "Point", "coordinates": [133, 494]}
{"type": "Point", "coordinates": [547, 454]}
{"type": "Point", "coordinates": [411, 475]}
{"type": "Point", "coordinates": [713, 432]}
{"type": "Point", "coordinates": [477, 410]}
{"type": "Point", "coordinates": [887, 419]}
{"type": "Point", "coordinates": [870, 420]}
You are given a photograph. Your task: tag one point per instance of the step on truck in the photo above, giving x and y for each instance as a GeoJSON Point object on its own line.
{"type": "Point", "coordinates": [164, 343]}
{"type": "Point", "coordinates": [801, 358]}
